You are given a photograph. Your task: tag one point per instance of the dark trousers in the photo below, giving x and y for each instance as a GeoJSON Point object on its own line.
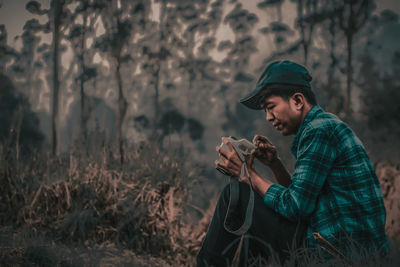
{"type": "Point", "coordinates": [274, 230]}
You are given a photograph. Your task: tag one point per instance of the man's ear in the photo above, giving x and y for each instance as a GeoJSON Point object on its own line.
{"type": "Point", "coordinates": [299, 100]}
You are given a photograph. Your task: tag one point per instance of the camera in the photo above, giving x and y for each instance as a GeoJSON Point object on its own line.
{"type": "Point", "coordinates": [243, 147]}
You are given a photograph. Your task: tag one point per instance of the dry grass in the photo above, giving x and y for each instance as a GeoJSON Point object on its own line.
{"type": "Point", "coordinates": [389, 176]}
{"type": "Point", "coordinates": [80, 210]}
{"type": "Point", "coordinates": [138, 208]}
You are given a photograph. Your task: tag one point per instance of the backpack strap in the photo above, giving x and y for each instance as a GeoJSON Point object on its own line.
{"type": "Point", "coordinates": [234, 202]}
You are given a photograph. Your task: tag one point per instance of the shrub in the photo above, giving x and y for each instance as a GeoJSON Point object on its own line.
{"type": "Point", "coordinates": [140, 206]}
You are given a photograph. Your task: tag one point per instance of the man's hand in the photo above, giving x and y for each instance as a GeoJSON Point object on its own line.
{"type": "Point", "coordinates": [265, 151]}
{"type": "Point", "coordinates": [232, 164]}
{"type": "Point", "coordinates": [230, 160]}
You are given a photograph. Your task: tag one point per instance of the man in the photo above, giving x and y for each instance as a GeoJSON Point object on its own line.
{"type": "Point", "coordinates": [333, 191]}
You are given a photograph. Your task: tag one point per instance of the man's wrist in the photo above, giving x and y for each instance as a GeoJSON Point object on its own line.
{"type": "Point", "coordinates": [260, 184]}
{"type": "Point", "coordinates": [275, 162]}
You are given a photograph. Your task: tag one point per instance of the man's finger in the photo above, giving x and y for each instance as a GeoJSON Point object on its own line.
{"type": "Point", "coordinates": [222, 152]}
{"type": "Point", "coordinates": [229, 168]}
{"type": "Point", "coordinates": [260, 139]}
{"type": "Point", "coordinates": [233, 154]}
{"type": "Point", "coordinates": [225, 154]}
{"type": "Point", "coordinates": [265, 146]}
{"type": "Point", "coordinates": [228, 144]}
{"type": "Point", "coordinates": [258, 153]}
{"type": "Point", "coordinates": [256, 138]}
{"type": "Point", "coordinates": [229, 157]}
{"type": "Point", "coordinates": [220, 164]}
{"type": "Point", "coordinates": [250, 159]}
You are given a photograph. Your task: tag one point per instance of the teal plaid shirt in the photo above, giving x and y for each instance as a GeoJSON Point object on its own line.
{"type": "Point", "coordinates": [334, 186]}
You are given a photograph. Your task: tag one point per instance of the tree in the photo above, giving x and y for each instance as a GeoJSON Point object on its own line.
{"type": "Point", "coordinates": [57, 11]}
{"type": "Point", "coordinates": [352, 16]}
{"type": "Point", "coordinates": [323, 16]}
{"type": "Point", "coordinates": [5, 50]}
{"type": "Point", "coordinates": [79, 34]}
{"type": "Point", "coordinates": [380, 95]}
{"type": "Point", "coordinates": [55, 15]}
{"type": "Point", "coordinates": [279, 30]}
{"type": "Point", "coordinates": [307, 18]}
{"type": "Point", "coordinates": [177, 60]}
{"type": "Point", "coordinates": [157, 54]}
{"type": "Point", "coordinates": [241, 22]}
{"type": "Point", "coordinates": [25, 68]}
{"type": "Point", "coordinates": [238, 56]}
{"type": "Point", "coordinates": [378, 74]}
{"type": "Point", "coordinates": [199, 26]}
{"type": "Point", "coordinates": [18, 123]}
{"type": "Point", "coordinates": [121, 20]}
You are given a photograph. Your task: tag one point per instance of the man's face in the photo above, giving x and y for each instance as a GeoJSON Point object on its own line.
{"type": "Point", "coordinates": [283, 114]}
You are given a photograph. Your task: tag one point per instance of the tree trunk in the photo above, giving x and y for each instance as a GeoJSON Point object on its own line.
{"type": "Point", "coordinates": [156, 73]}
{"type": "Point", "coordinates": [82, 106]}
{"type": "Point", "coordinates": [305, 49]}
{"type": "Point", "coordinates": [349, 74]}
{"type": "Point", "coordinates": [332, 65]}
{"type": "Point", "coordinates": [3, 46]}
{"type": "Point", "coordinates": [302, 30]}
{"type": "Point", "coordinates": [82, 85]}
{"type": "Point", "coordinates": [279, 11]}
{"type": "Point", "coordinates": [56, 83]}
{"type": "Point", "coordinates": [156, 94]}
{"type": "Point", "coordinates": [122, 106]}
{"type": "Point", "coordinates": [357, 16]}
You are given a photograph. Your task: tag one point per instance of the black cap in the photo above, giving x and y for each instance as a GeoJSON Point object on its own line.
{"type": "Point", "coordinates": [279, 73]}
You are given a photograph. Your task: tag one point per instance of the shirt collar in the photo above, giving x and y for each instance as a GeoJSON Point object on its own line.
{"type": "Point", "coordinates": [314, 111]}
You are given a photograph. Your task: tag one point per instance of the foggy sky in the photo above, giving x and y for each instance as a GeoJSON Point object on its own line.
{"type": "Point", "coordinates": [14, 15]}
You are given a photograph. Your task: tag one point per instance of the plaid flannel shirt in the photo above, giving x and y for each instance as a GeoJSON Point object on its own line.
{"type": "Point", "coordinates": [334, 186]}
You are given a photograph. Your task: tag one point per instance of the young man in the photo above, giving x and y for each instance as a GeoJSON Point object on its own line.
{"type": "Point", "coordinates": [333, 191]}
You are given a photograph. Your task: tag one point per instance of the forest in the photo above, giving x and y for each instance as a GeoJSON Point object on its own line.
{"type": "Point", "coordinates": [110, 112]}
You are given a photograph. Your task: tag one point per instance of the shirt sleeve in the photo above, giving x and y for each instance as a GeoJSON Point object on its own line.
{"type": "Point", "coordinates": [315, 156]}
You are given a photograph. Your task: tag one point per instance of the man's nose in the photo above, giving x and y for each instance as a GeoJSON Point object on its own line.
{"type": "Point", "coordinates": [269, 116]}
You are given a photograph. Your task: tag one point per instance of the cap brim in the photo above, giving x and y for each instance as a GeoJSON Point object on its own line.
{"type": "Point", "coordinates": [252, 100]}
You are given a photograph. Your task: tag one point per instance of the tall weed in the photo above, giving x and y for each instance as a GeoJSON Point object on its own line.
{"type": "Point", "coordinates": [79, 200]}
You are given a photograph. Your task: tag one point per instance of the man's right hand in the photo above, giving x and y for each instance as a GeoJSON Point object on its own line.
{"type": "Point", "coordinates": [265, 151]}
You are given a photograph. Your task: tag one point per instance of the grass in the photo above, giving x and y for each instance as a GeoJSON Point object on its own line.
{"type": "Point", "coordinates": [88, 210]}
{"type": "Point", "coordinates": [138, 208]}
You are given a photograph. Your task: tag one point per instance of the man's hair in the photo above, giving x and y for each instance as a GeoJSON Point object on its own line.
{"type": "Point", "coordinates": [286, 91]}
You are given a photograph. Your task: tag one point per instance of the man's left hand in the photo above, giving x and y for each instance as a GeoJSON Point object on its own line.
{"type": "Point", "coordinates": [231, 161]}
